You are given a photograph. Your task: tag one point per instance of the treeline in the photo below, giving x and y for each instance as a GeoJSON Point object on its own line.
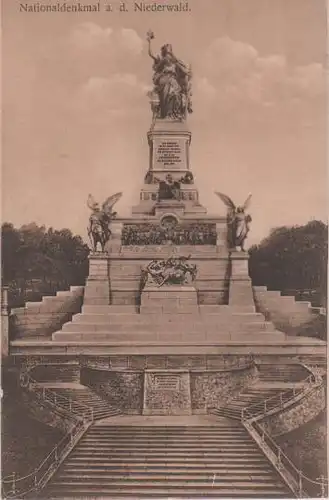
{"type": "Point", "coordinates": [37, 261]}
{"type": "Point", "coordinates": [293, 260]}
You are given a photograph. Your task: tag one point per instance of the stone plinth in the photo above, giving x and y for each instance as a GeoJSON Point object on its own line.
{"type": "Point", "coordinates": [169, 143]}
{"type": "Point", "coordinates": [167, 392]}
{"type": "Point", "coordinates": [240, 292]}
{"type": "Point", "coordinates": [169, 299]}
{"type": "Point", "coordinates": [167, 207]}
{"type": "Point", "coordinates": [97, 291]}
{"type": "Point", "coordinates": [114, 244]}
{"type": "Point", "coordinates": [239, 263]}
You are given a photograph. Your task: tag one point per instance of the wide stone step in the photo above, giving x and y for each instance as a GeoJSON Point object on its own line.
{"type": "Point", "coordinates": [131, 309]}
{"type": "Point", "coordinates": [146, 337]}
{"type": "Point", "coordinates": [170, 430]}
{"type": "Point", "coordinates": [150, 492]}
{"type": "Point", "coordinates": [109, 309]}
{"type": "Point", "coordinates": [107, 477]}
{"type": "Point", "coordinates": [165, 447]}
{"type": "Point", "coordinates": [174, 318]}
{"type": "Point", "coordinates": [166, 454]}
{"type": "Point", "coordinates": [190, 327]}
{"type": "Point", "coordinates": [185, 432]}
{"type": "Point", "coordinates": [102, 461]}
{"type": "Point", "coordinates": [164, 441]}
{"type": "Point", "coordinates": [176, 469]}
{"type": "Point", "coordinates": [220, 482]}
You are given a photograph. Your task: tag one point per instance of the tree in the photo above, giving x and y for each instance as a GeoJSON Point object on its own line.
{"type": "Point", "coordinates": [293, 259]}
{"type": "Point", "coordinates": [40, 261]}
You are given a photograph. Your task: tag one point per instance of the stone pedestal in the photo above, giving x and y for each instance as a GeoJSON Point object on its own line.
{"type": "Point", "coordinates": [240, 292]}
{"type": "Point", "coordinates": [167, 392]}
{"type": "Point", "coordinates": [221, 230]}
{"type": "Point", "coordinates": [169, 146]}
{"type": "Point", "coordinates": [169, 299]}
{"type": "Point", "coordinates": [97, 290]}
{"type": "Point", "coordinates": [114, 245]}
{"type": "Point", "coordinates": [167, 207]}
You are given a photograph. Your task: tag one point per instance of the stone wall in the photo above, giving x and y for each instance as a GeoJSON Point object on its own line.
{"type": "Point", "coordinates": [41, 319]}
{"type": "Point", "coordinates": [56, 373]}
{"type": "Point", "coordinates": [125, 276]}
{"type": "Point", "coordinates": [214, 389]}
{"type": "Point", "coordinates": [122, 389]}
{"type": "Point", "coordinates": [285, 312]}
{"type": "Point", "coordinates": [44, 413]}
{"type": "Point", "coordinates": [303, 411]}
{"type": "Point", "coordinates": [216, 362]}
{"type": "Point", "coordinates": [196, 390]}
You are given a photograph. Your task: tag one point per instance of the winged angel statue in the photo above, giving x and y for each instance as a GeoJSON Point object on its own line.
{"type": "Point", "coordinates": [99, 221]}
{"type": "Point", "coordinates": [238, 220]}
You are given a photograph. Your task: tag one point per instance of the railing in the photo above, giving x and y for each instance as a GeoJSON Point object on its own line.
{"type": "Point", "coordinates": [17, 487]}
{"type": "Point", "coordinates": [301, 485]}
{"type": "Point", "coordinates": [276, 402]}
{"type": "Point", "coordinates": [82, 415]}
{"type": "Point", "coordinates": [64, 403]}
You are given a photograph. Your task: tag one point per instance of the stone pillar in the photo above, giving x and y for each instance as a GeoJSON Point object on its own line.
{"type": "Point", "coordinates": [114, 245]}
{"type": "Point", "coordinates": [221, 230]}
{"type": "Point", "coordinates": [97, 290]}
{"type": "Point", "coordinates": [240, 292]}
{"type": "Point", "coordinates": [4, 322]}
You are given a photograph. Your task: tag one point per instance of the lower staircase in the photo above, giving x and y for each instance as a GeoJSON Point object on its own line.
{"type": "Point", "coordinates": [282, 373]}
{"type": "Point", "coordinates": [212, 461]}
{"type": "Point", "coordinates": [250, 396]}
{"type": "Point", "coordinates": [101, 408]}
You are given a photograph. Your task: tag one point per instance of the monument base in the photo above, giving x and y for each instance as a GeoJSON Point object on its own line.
{"type": "Point", "coordinates": [167, 392]}
{"type": "Point", "coordinates": [178, 299]}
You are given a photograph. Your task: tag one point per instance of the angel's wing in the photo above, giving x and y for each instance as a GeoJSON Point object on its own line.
{"type": "Point", "coordinates": [226, 200]}
{"type": "Point", "coordinates": [247, 202]}
{"type": "Point", "coordinates": [91, 202]}
{"type": "Point", "coordinates": [110, 201]}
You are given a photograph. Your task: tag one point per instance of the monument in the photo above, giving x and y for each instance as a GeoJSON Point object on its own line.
{"type": "Point", "coordinates": [168, 308]}
{"type": "Point", "coordinates": [169, 220]}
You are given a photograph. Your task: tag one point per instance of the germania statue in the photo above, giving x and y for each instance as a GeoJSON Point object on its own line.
{"type": "Point", "coordinates": [99, 221]}
{"type": "Point", "coordinates": [238, 221]}
{"type": "Point", "coordinates": [171, 96]}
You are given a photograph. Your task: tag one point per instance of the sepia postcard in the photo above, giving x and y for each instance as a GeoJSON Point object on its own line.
{"type": "Point", "coordinates": [164, 249]}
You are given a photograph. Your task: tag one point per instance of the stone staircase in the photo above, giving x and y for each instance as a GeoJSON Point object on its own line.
{"type": "Point", "coordinates": [204, 323]}
{"type": "Point", "coordinates": [287, 373]}
{"type": "Point", "coordinates": [250, 396]}
{"type": "Point", "coordinates": [213, 461]}
{"type": "Point", "coordinates": [101, 408]}
{"type": "Point", "coordinates": [48, 315]}
{"type": "Point", "coordinates": [283, 310]}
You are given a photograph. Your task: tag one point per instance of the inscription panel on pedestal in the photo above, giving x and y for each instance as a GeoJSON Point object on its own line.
{"type": "Point", "coordinates": [169, 153]}
{"type": "Point", "coordinates": [166, 382]}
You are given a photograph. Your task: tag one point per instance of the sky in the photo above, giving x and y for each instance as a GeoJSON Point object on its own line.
{"type": "Point", "coordinates": [76, 113]}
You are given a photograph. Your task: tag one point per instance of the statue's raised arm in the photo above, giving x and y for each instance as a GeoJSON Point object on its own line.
{"type": "Point", "coordinates": [149, 37]}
